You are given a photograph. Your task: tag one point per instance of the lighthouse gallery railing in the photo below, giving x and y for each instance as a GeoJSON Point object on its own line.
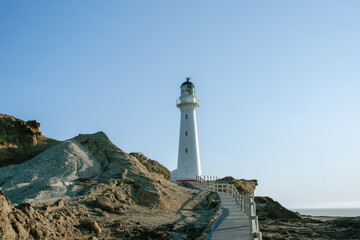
{"type": "Point", "coordinates": [195, 100]}
{"type": "Point", "coordinates": [246, 203]}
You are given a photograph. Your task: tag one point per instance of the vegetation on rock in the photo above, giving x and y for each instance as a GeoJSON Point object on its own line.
{"type": "Point", "coordinates": [152, 165]}
{"type": "Point", "coordinates": [242, 185]}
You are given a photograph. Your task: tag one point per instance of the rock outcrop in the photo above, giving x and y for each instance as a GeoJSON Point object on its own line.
{"type": "Point", "coordinates": [268, 208]}
{"type": "Point", "coordinates": [50, 175]}
{"type": "Point", "coordinates": [117, 164]}
{"type": "Point", "coordinates": [60, 171]}
{"type": "Point", "coordinates": [277, 222]}
{"type": "Point", "coordinates": [20, 140]}
{"type": "Point", "coordinates": [243, 186]}
{"type": "Point", "coordinates": [26, 223]}
{"type": "Point", "coordinates": [152, 165]}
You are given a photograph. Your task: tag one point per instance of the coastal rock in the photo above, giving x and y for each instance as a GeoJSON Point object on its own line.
{"type": "Point", "coordinates": [59, 204]}
{"type": "Point", "coordinates": [20, 140]}
{"type": "Point", "coordinates": [26, 223]}
{"type": "Point", "coordinates": [104, 203]}
{"type": "Point", "coordinates": [277, 222]}
{"type": "Point", "coordinates": [92, 226]}
{"type": "Point", "coordinates": [51, 174]}
{"type": "Point", "coordinates": [267, 207]}
{"type": "Point", "coordinates": [347, 222]}
{"type": "Point", "coordinates": [242, 185]}
{"type": "Point", "coordinates": [152, 165]}
{"type": "Point", "coordinates": [6, 229]}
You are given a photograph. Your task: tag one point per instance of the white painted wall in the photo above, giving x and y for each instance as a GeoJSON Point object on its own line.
{"type": "Point", "coordinates": [189, 157]}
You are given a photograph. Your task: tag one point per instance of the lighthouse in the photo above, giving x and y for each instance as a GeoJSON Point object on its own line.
{"type": "Point", "coordinates": [188, 165]}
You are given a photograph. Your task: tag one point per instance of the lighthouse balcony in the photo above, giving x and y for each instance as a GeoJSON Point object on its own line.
{"type": "Point", "coordinates": [188, 100]}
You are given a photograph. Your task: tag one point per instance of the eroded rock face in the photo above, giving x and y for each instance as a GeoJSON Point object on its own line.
{"type": "Point", "coordinates": [152, 165]}
{"type": "Point", "coordinates": [6, 230]}
{"type": "Point", "coordinates": [268, 208]}
{"type": "Point", "coordinates": [26, 223]}
{"type": "Point", "coordinates": [20, 140]}
{"type": "Point", "coordinates": [86, 164]}
{"type": "Point", "coordinates": [146, 187]}
{"type": "Point", "coordinates": [243, 186]}
{"type": "Point", "coordinates": [53, 174]}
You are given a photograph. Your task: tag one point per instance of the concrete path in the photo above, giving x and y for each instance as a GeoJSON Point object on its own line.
{"type": "Point", "coordinates": [232, 224]}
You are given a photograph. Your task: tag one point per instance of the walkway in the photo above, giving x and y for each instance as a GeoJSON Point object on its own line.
{"type": "Point", "coordinates": [232, 223]}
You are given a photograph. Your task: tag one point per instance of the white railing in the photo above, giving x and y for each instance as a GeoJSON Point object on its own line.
{"type": "Point", "coordinates": [246, 203]}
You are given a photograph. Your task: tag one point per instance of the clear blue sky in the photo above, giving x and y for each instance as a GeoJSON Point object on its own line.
{"type": "Point", "coordinates": [279, 84]}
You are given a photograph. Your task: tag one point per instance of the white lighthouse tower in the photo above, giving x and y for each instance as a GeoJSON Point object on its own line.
{"type": "Point", "coordinates": [189, 157]}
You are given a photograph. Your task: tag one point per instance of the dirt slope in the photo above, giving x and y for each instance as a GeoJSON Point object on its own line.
{"type": "Point", "coordinates": [152, 165]}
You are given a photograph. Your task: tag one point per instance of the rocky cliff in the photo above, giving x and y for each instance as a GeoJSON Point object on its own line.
{"type": "Point", "coordinates": [20, 140]}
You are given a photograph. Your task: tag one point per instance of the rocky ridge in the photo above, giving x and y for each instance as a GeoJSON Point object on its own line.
{"type": "Point", "coordinates": [20, 140]}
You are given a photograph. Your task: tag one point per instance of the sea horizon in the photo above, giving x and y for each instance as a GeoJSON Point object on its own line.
{"type": "Point", "coordinates": [329, 212]}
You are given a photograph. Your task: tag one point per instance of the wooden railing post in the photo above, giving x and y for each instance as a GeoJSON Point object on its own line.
{"type": "Point", "coordinates": [243, 203]}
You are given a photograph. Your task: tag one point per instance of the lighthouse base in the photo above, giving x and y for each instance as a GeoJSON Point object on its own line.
{"type": "Point", "coordinates": [173, 177]}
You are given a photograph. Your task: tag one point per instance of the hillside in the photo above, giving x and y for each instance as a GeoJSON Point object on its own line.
{"type": "Point", "coordinates": [86, 186]}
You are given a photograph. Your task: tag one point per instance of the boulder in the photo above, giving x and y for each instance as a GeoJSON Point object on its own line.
{"type": "Point", "coordinates": [104, 203]}
{"type": "Point", "coordinates": [92, 226]}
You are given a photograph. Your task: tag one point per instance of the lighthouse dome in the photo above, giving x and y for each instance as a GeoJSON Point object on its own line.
{"type": "Point", "coordinates": [187, 88]}
{"type": "Point", "coordinates": [188, 83]}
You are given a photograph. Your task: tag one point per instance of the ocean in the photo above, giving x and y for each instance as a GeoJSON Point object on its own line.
{"type": "Point", "coordinates": [331, 212]}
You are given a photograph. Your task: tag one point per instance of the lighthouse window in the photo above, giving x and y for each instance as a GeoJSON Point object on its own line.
{"type": "Point", "coordinates": [186, 133]}
{"type": "Point", "coordinates": [186, 116]}
{"type": "Point", "coordinates": [186, 150]}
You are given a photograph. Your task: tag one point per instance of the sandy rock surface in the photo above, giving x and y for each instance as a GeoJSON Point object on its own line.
{"type": "Point", "coordinates": [20, 140]}
{"type": "Point", "coordinates": [50, 175]}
